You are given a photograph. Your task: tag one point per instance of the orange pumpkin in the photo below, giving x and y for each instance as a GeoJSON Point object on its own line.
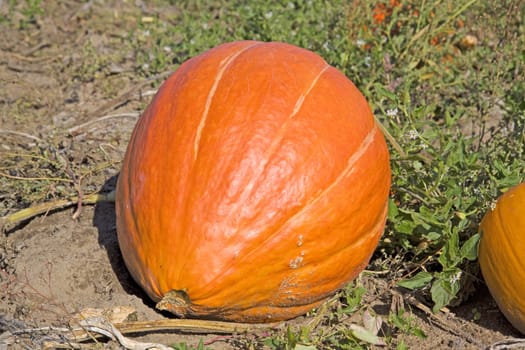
{"type": "Point", "coordinates": [502, 254]}
{"type": "Point", "coordinates": [254, 185]}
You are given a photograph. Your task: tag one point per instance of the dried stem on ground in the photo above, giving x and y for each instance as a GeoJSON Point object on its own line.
{"type": "Point", "coordinates": [96, 327]}
{"type": "Point", "coordinates": [12, 220]}
{"type": "Point", "coordinates": [511, 343]}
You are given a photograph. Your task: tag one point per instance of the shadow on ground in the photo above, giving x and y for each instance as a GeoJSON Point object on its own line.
{"type": "Point", "coordinates": [104, 220]}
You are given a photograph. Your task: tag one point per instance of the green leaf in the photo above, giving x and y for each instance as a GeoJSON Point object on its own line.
{"type": "Point", "coordinates": [445, 288]}
{"type": "Point", "coordinates": [469, 249]}
{"type": "Point", "coordinates": [405, 226]}
{"type": "Point", "coordinates": [401, 346]}
{"type": "Point", "coordinates": [432, 236]}
{"type": "Point", "coordinates": [353, 296]}
{"type": "Point", "coordinates": [365, 335]}
{"type": "Point", "coordinates": [419, 333]}
{"type": "Point", "coordinates": [291, 337]}
{"type": "Point", "coordinates": [392, 209]}
{"type": "Point", "coordinates": [382, 91]}
{"type": "Point", "coordinates": [440, 296]}
{"type": "Point", "coordinates": [420, 280]}
{"type": "Point", "coordinates": [451, 255]}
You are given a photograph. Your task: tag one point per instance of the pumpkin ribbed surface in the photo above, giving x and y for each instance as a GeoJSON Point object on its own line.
{"type": "Point", "coordinates": [254, 185]}
{"type": "Point", "coordinates": [502, 254]}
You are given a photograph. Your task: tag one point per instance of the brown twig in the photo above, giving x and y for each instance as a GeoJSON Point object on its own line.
{"type": "Point", "coordinates": [443, 324]}
{"type": "Point", "coordinates": [9, 221]}
{"type": "Point", "coordinates": [59, 179]}
{"type": "Point", "coordinates": [38, 47]}
{"type": "Point", "coordinates": [23, 134]}
{"type": "Point", "coordinates": [93, 328]}
{"type": "Point", "coordinates": [78, 210]}
{"type": "Point", "coordinates": [511, 343]}
{"type": "Point", "coordinates": [191, 326]}
{"type": "Point", "coordinates": [126, 96]}
{"type": "Point", "coordinates": [38, 59]}
{"type": "Point", "coordinates": [75, 129]}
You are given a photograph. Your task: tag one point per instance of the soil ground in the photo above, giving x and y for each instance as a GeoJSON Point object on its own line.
{"type": "Point", "coordinates": [56, 265]}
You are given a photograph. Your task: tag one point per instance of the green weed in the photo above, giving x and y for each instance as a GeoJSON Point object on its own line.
{"type": "Point", "coordinates": [462, 141]}
{"type": "Point", "coordinates": [29, 11]}
{"type": "Point", "coordinates": [454, 108]}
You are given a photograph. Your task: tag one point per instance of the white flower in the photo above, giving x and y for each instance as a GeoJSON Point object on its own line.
{"type": "Point", "coordinates": [360, 42]}
{"type": "Point", "coordinates": [391, 112]}
{"type": "Point", "coordinates": [367, 61]}
{"type": "Point", "coordinates": [413, 134]}
{"type": "Point", "coordinates": [456, 277]}
{"type": "Point", "coordinates": [268, 14]}
{"type": "Point", "coordinates": [493, 205]}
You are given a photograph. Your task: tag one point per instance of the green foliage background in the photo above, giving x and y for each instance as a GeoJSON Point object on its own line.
{"type": "Point", "coordinates": [456, 113]}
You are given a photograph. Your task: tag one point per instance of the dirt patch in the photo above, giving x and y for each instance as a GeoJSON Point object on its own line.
{"type": "Point", "coordinates": [56, 266]}
{"type": "Point", "coordinates": [75, 112]}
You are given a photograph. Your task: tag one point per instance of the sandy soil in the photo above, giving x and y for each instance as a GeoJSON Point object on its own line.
{"type": "Point", "coordinates": [56, 266]}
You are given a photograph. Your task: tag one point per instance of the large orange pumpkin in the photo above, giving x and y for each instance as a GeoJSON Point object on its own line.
{"type": "Point", "coordinates": [254, 185]}
{"type": "Point", "coordinates": [502, 254]}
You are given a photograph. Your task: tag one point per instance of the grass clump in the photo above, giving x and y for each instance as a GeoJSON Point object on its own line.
{"type": "Point", "coordinates": [440, 90]}
{"type": "Point", "coordinates": [448, 91]}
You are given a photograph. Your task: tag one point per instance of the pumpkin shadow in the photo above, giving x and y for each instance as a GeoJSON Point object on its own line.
{"type": "Point", "coordinates": [481, 309]}
{"type": "Point", "coordinates": [104, 220]}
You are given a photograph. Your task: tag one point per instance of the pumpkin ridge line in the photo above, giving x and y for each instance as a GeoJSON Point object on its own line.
{"type": "Point", "coordinates": [223, 66]}
{"type": "Point", "coordinates": [375, 227]}
{"type": "Point", "coordinates": [506, 239]}
{"type": "Point", "coordinates": [346, 171]}
{"type": "Point", "coordinates": [262, 164]}
{"type": "Point", "coordinates": [277, 139]}
{"type": "Point", "coordinates": [368, 140]}
{"type": "Point", "coordinates": [258, 185]}
{"type": "Point", "coordinates": [300, 101]}
{"type": "Point", "coordinates": [363, 147]}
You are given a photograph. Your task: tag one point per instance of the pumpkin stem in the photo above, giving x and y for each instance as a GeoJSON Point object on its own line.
{"type": "Point", "coordinates": [175, 301]}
